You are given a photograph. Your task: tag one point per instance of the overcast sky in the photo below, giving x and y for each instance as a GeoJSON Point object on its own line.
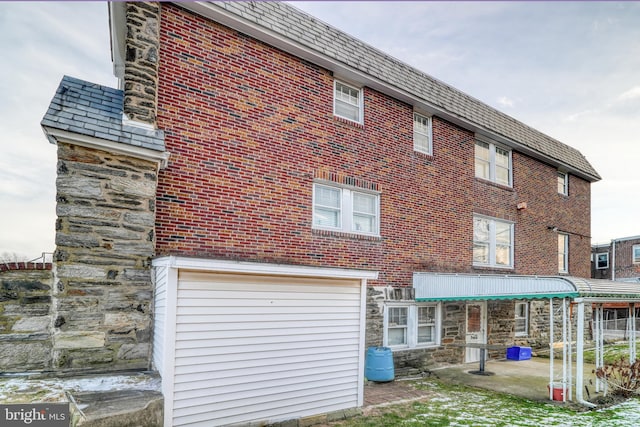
{"type": "Point", "coordinates": [568, 69]}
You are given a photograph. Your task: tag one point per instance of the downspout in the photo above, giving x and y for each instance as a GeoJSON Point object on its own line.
{"type": "Point", "coordinates": [580, 356]}
{"type": "Point", "coordinates": [613, 260]}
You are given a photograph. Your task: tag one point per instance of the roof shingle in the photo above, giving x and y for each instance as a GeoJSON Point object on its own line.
{"type": "Point", "coordinates": [308, 31]}
{"type": "Point", "coordinates": [94, 110]}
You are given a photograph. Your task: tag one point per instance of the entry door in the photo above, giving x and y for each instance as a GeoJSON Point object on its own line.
{"type": "Point", "coordinates": [476, 329]}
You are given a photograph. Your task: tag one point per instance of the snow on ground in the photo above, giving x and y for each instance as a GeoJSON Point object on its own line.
{"type": "Point", "coordinates": [479, 409]}
{"type": "Point", "coordinates": [18, 388]}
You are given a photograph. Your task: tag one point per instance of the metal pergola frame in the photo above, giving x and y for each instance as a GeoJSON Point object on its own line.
{"type": "Point", "coordinates": [441, 287]}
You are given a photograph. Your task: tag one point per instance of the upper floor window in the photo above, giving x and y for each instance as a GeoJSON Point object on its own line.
{"type": "Point", "coordinates": [563, 253]}
{"type": "Point", "coordinates": [493, 163]}
{"type": "Point", "coordinates": [411, 325]}
{"type": "Point", "coordinates": [636, 254]}
{"type": "Point", "coordinates": [602, 261]}
{"type": "Point", "coordinates": [563, 183]}
{"type": "Point", "coordinates": [344, 209]}
{"type": "Point", "coordinates": [522, 319]}
{"type": "Point", "coordinates": [422, 139]}
{"type": "Point", "coordinates": [347, 102]}
{"type": "Point", "coordinates": [492, 242]}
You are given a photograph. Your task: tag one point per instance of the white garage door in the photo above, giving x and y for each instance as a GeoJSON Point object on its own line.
{"type": "Point", "coordinates": [264, 348]}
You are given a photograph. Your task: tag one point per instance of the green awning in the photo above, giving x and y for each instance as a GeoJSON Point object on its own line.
{"type": "Point", "coordinates": [459, 287]}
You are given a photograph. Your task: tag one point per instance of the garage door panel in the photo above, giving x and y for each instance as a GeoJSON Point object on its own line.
{"type": "Point", "coordinates": [268, 402]}
{"type": "Point", "coordinates": [195, 359]}
{"type": "Point", "coordinates": [226, 395]}
{"type": "Point", "coordinates": [275, 372]}
{"type": "Point", "coordinates": [264, 310]}
{"type": "Point", "coordinates": [231, 369]}
{"type": "Point", "coordinates": [264, 348]}
{"type": "Point", "coordinates": [192, 320]}
{"type": "Point", "coordinates": [272, 379]}
{"type": "Point", "coordinates": [243, 415]}
{"type": "Point", "coordinates": [242, 323]}
{"type": "Point", "coordinates": [267, 348]}
{"type": "Point", "coordinates": [233, 293]}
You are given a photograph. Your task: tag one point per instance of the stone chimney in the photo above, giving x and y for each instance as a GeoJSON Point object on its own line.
{"type": "Point", "coordinates": [141, 59]}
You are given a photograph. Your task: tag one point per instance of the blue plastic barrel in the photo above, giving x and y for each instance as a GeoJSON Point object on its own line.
{"type": "Point", "coordinates": [379, 364]}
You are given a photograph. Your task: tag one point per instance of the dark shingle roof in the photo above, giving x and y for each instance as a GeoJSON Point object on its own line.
{"type": "Point", "coordinates": [90, 109]}
{"type": "Point", "coordinates": [313, 34]}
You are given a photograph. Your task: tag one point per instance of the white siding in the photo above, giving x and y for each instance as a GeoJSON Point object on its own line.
{"type": "Point", "coordinates": [159, 317]}
{"type": "Point", "coordinates": [264, 348]}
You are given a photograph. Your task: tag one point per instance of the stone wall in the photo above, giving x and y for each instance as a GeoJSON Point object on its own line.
{"type": "Point", "coordinates": [102, 298]}
{"type": "Point", "coordinates": [25, 317]}
{"type": "Point", "coordinates": [141, 61]}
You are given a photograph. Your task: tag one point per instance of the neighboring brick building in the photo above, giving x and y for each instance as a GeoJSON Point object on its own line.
{"type": "Point", "coordinates": [618, 260]}
{"type": "Point", "coordinates": [320, 197]}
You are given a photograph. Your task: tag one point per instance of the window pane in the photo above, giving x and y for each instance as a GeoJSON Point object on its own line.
{"type": "Point", "coordinates": [502, 175]}
{"type": "Point", "coordinates": [503, 233]}
{"type": "Point", "coordinates": [397, 316]}
{"type": "Point", "coordinates": [329, 197]}
{"type": "Point", "coordinates": [480, 230]}
{"type": "Point", "coordinates": [480, 253]}
{"type": "Point", "coordinates": [347, 102]}
{"type": "Point", "coordinates": [563, 180]}
{"type": "Point", "coordinates": [363, 223]}
{"type": "Point", "coordinates": [482, 151]}
{"type": "Point", "coordinates": [562, 252]}
{"type": "Point", "coordinates": [426, 334]}
{"type": "Point", "coordinates": [502, 158]}
{"type": "Point", "coordinates": [482, 160]}
{"type": "Point", "coordinates": [326, 218]}
{"type": "Point", "coordinates": [397, 336]}
{"type": "Point", "coordinates": [421, 142]}
{"type": "Point", "coordinates": [636, 254]}
{"type": "Point", "coordinates": [364, 203]}
{"type": "Point", "coordinates": [603, 261]}
{"type": "Point", "coordinates": [347, 111]}
{"type": "Point", "coordinates": [426, 314]}
{"type": "Point", "coordinates": [503, 255]}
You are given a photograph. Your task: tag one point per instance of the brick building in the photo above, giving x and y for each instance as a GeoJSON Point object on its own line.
{"type": "Point", "coordinates": [618, 260]}
{"type": "Point", "coordinates": [313, 197]}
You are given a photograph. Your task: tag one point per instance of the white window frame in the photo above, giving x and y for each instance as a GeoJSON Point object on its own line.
{"type": "Point", "coordinates": [411, 341]}
{"type": "Point", "coordinates": [358, 104]}
{"type": "Point", "coordinates": [492, 242]}
{"type": "Point", "coordinates": [525, 332]}
{"type": "Point", "coordinates": [604, 255]}
{"type": "Point", "coordinates": [493, 177]}
{"type": "Point", "coordinates": [346, 222]}
{"type": "Point", "coordinates": [563, 183]}
{"type": "Point", "coordinates": [635, 259]}
{"type": "Point", "coordinates": [563, 253]}
{"type": "Point", "coordinates": [428, 133]}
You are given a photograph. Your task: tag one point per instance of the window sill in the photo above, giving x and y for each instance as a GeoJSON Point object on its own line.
{"type": "Point", "coordinates": [345, 234]}
{"type": "Point", "coordinates": [492, 267]}
{"type": "Point", "coordinates": [423, 155]}
{"type": "Point", "coordinates": [418, 347]}
{"type": "Point", "coordinates": [495, 184]}
{"type": "Point", "coordinates": [348, 122]}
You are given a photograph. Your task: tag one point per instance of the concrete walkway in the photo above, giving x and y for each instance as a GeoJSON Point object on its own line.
{"type": "Point", "coordinates": [524, 378]}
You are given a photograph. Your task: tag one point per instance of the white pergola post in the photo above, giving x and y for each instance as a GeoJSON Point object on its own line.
{"type": "Point", "coordinates": [632, 332]}
{"type": "Point", "coordinates": [551, 341]}
{"type": "Point", "coordinates": [580, 355]}
{"type": "Point", "coordinates": [598, 326]}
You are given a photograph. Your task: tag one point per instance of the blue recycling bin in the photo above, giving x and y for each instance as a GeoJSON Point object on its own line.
{"type": "Point", "coordinates": [379, 364]}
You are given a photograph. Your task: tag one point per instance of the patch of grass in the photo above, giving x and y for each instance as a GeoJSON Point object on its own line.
{"type": "Point", "coordinates": [456, 405]}
{"type": "Point", "coordinates": [612, 352]}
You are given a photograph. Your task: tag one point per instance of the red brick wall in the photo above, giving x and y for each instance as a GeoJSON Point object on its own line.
{"type": "Point", "coordinates": [625, 268]}
{"type": "Point", "coordinates": [248, 127]}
